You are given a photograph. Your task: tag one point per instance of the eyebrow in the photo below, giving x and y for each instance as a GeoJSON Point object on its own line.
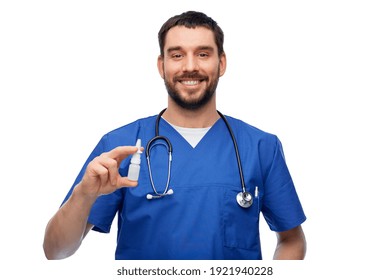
{"type": "Point", "coordinates": [178, 48]}
{"type": "Point", "coordinates": [172, 49]}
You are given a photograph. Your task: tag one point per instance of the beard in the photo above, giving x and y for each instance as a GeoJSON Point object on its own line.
{"type": "Point", "coordinates": [191, 103]}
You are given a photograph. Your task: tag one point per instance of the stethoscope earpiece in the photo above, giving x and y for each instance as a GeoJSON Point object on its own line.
{"type": "Point", "coordinates": [151, 196]}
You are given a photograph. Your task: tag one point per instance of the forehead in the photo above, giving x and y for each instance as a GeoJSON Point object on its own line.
{"type": "Point", "coordinates": [187, 38]}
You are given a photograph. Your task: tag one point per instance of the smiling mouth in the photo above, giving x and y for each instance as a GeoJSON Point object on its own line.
{"type": "Point", "coordinates": [191, 82]}
{"type": "Point", "coordinates": [190, 79]}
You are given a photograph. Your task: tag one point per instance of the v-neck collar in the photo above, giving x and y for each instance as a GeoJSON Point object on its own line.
{"type": "Point", "coordinates": [174, 134]}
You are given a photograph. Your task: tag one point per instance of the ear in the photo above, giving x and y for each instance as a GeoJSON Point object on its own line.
{"type": "Point", "coordinates": [222, 64]}
{"type": "Point", "coordinates": [160, 65]}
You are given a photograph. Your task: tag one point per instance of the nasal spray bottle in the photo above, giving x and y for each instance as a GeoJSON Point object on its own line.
{"type": "Point", "coordinates": [135, 163]}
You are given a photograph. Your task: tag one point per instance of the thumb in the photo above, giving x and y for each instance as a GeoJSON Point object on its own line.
{"type": "Point", "coordinates": [125, 182]}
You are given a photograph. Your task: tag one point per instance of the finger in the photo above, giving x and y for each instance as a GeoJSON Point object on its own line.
{"type": "Point", "coordinates": [121, 152]}
{"type": "Point", "coordinates": [111, 167]}
{"type": "Point", "coordinates": [125, 182]}
{"type": "Point", "coordinates": [98, 169]}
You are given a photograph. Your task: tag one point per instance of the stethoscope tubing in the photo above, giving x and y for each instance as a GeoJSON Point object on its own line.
{"type": "Point", "coordinates": [169, 148]}
{"type": "Point", "coordinates": [236, 151]}
{"type": "Point", "coordinates": [244, 198]}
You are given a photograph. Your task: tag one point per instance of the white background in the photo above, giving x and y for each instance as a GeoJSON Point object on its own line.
{"type": "Point", "coordinates": [316, 73]}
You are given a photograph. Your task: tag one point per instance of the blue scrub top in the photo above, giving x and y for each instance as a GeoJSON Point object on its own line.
{"type": "Point", "coordinates": [202, 219]}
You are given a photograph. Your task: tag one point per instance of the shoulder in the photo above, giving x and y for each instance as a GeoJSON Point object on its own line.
{"type": "Point", "coordinates": [133, 126]}
{"type": "Point", "coordinates": [266, 143]}
{"type": "Point", "coordinates": [243, 128]}
{"type": "Point", "coordinates": [127, 134]}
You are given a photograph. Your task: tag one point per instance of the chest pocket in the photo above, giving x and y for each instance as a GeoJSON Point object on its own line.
{"type": "Point", "coordinates": [241, 225]}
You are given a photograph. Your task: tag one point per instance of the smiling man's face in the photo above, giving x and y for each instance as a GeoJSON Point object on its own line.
{"type": "Point", "coordinates": [191, 66]}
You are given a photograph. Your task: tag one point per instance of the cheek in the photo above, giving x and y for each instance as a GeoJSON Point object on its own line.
{"type": "Point", "coordinates": [169, 73]}
{"type": "Point", "coordinates": [214, 73]}
{"type": "Point", "coordinates": [171, 66]}
{"type": "Point", "coordinates": [211, 69]}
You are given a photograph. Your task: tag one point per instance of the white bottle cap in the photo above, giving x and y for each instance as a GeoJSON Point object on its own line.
{"type": "Point", "coordinates": [136, 158]}
{"type": "Point", "coordinates": [134, 167]}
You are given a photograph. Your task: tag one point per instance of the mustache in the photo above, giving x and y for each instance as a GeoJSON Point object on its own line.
{"type": "Point", "coordinates": [190, 75]}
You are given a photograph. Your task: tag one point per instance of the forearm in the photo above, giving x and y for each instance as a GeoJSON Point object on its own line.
{"type": "Point", "coordinates": [290, 251]}
{"type": "Point", "coordinates": [291, 245]}
{"type": "Point", "coordinates": [66, 230]}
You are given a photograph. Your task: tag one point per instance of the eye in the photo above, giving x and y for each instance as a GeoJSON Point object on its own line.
{"type": "Point", "coordinates": [177, 56]}
{"type": "Point", "coordinates": [203, 55]}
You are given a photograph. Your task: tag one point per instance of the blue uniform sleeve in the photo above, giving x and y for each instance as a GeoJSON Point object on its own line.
{"type": "Point", "coordinates": [281, 206]}
{"type": "Point", "coordinates": [104, 209]}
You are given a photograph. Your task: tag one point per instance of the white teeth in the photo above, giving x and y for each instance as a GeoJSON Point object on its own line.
{"type": "Point", "coordinates": [190, 83]}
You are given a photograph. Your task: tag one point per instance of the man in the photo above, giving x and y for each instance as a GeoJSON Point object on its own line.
{"type": "Point", "coordinates": [200, 217]}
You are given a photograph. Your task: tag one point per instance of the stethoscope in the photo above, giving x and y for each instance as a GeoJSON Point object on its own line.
{"type": "Point", "coordinates": [244, 198]}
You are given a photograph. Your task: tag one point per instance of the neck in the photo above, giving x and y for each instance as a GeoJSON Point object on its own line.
{"type": "Point", "coordinates": [200, 118]}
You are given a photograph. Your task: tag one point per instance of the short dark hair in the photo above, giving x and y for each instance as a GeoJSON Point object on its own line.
{"type": "Point", "coordinates": [191, 19]}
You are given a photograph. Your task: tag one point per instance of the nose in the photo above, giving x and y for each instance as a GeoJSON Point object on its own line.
{"type": "Point", "coordinates": [190, 64]}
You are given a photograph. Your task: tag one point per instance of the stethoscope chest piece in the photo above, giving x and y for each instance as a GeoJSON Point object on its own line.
{"type": "Point", "coordinates": [244, 199]}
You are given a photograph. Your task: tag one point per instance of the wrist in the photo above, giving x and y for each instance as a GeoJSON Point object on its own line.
{"type": "Point", "coordinates": [84, 197]}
